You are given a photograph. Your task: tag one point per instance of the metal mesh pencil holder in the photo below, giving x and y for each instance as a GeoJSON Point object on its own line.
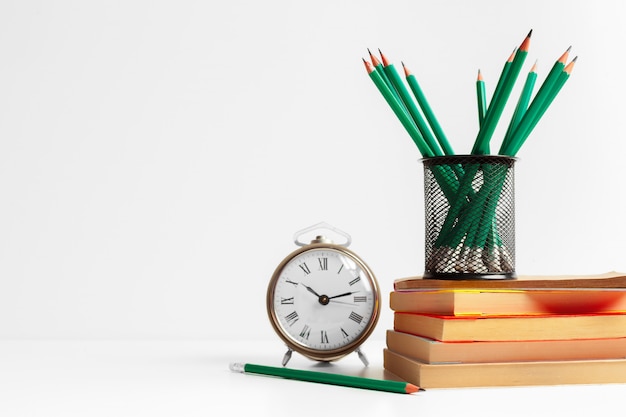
{"type": "Point", "coordinates": [470, 217]}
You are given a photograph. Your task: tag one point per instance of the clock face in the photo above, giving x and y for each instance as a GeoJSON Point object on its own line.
{"type": "Point", "coordinates": [324, 300]}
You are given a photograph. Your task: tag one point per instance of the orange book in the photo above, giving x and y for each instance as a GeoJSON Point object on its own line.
{"type": "Point", "coordinates": [501, 328]}
{"type": "Point", "coordinates": [433, 351]}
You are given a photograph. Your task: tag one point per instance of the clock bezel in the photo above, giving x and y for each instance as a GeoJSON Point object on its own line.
{"type": "Point", "coordinates": [312, 353]}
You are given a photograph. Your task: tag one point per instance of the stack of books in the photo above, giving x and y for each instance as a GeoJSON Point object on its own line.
{"type": "Point", "coordinates": [530, 331]}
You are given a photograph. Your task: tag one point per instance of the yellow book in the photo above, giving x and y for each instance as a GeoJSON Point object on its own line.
{"type": "Point", "coordinates": [607, 280]}
{"type": "Point", "coordinates": [509, 302]}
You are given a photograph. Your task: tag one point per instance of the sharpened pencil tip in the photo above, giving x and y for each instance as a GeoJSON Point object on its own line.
{"type": "Point", "coordinates": [512, 56]}
{"type": "Point", "coordinates": [406, 70]}
{"type": "Point", "coordinates": [375, 61]}
{"type": "Point", "coordinates": [383, 57]}
{"type": "Point", "coordinates": [568, 69]}
{"type": "Point", "coordinates": [526, 43]}
{"type": "Point", "coordinates": [410, 388]}
{"type": "Point", "coordinates": [563, 57]}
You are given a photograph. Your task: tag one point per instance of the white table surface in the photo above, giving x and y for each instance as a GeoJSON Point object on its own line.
{"type": "Point", "coordinates": [178, 378]}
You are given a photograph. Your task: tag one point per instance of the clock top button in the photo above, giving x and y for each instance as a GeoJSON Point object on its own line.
{"type": "Point", "coordinates": [321, 239]}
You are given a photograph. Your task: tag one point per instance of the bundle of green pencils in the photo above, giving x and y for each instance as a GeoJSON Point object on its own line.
{"type": "Point", "coordinates": [458, 183]}
{"type": "Point", "coordinates": [418, 118]}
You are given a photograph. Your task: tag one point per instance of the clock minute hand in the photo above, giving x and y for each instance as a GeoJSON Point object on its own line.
{"type": "Point", "coordinates": [342, 295]}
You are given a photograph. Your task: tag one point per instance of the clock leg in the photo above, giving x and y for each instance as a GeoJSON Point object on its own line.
{"type": "Point", "coordinates": [362, 357]}
{"type": "Point", "coordinates": [287, 356]}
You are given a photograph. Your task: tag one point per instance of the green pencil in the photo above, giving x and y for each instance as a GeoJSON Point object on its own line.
{"type": "Point", "coordinates": [503, 74]}
{"type": "Point", "coordinates": [379, 68]}
{"type": "Point", "coordinates": [537, 105]}
{"type": "Point", "coordinates": [498, 89]}
{"type": "Point", "coordinates": [480, 98]}
{"type": "Point", "coordinates": [448, 186]}
{"type": "Point", "coordinates": [563, 77]}
{"type": "Point", "coordinates": [326, 378]}
{"type": "Point", "coordinates": [522, 105]}
{"type": "Point", "coordinates": [405, 97]}
{"type": "Point", "coordinates": [498, 101]}
{"type": "Point", "coordinates": [428, 112]}
{"type": "Point", "coordinates": [398, 108]}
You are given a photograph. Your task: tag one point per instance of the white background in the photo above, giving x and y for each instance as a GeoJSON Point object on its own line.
{"type": "Point", "coordinates": [156, 157]}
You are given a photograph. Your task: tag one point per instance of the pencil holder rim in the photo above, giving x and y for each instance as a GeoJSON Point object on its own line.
{"type": "Point", "coordinates": [446, 159]}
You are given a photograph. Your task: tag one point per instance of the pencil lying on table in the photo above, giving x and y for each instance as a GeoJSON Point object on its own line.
{"type": "Point", "coordinates": [326, 378]}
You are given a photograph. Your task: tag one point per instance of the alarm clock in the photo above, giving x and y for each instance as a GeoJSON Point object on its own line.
{"type": "Point", "coordinates": [323, 300]}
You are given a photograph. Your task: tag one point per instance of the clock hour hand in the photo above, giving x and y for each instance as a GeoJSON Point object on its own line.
{"type": "Point", "coordinates": [311, 290]}
{"type": "Point", "coordinates": [323, 299]}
